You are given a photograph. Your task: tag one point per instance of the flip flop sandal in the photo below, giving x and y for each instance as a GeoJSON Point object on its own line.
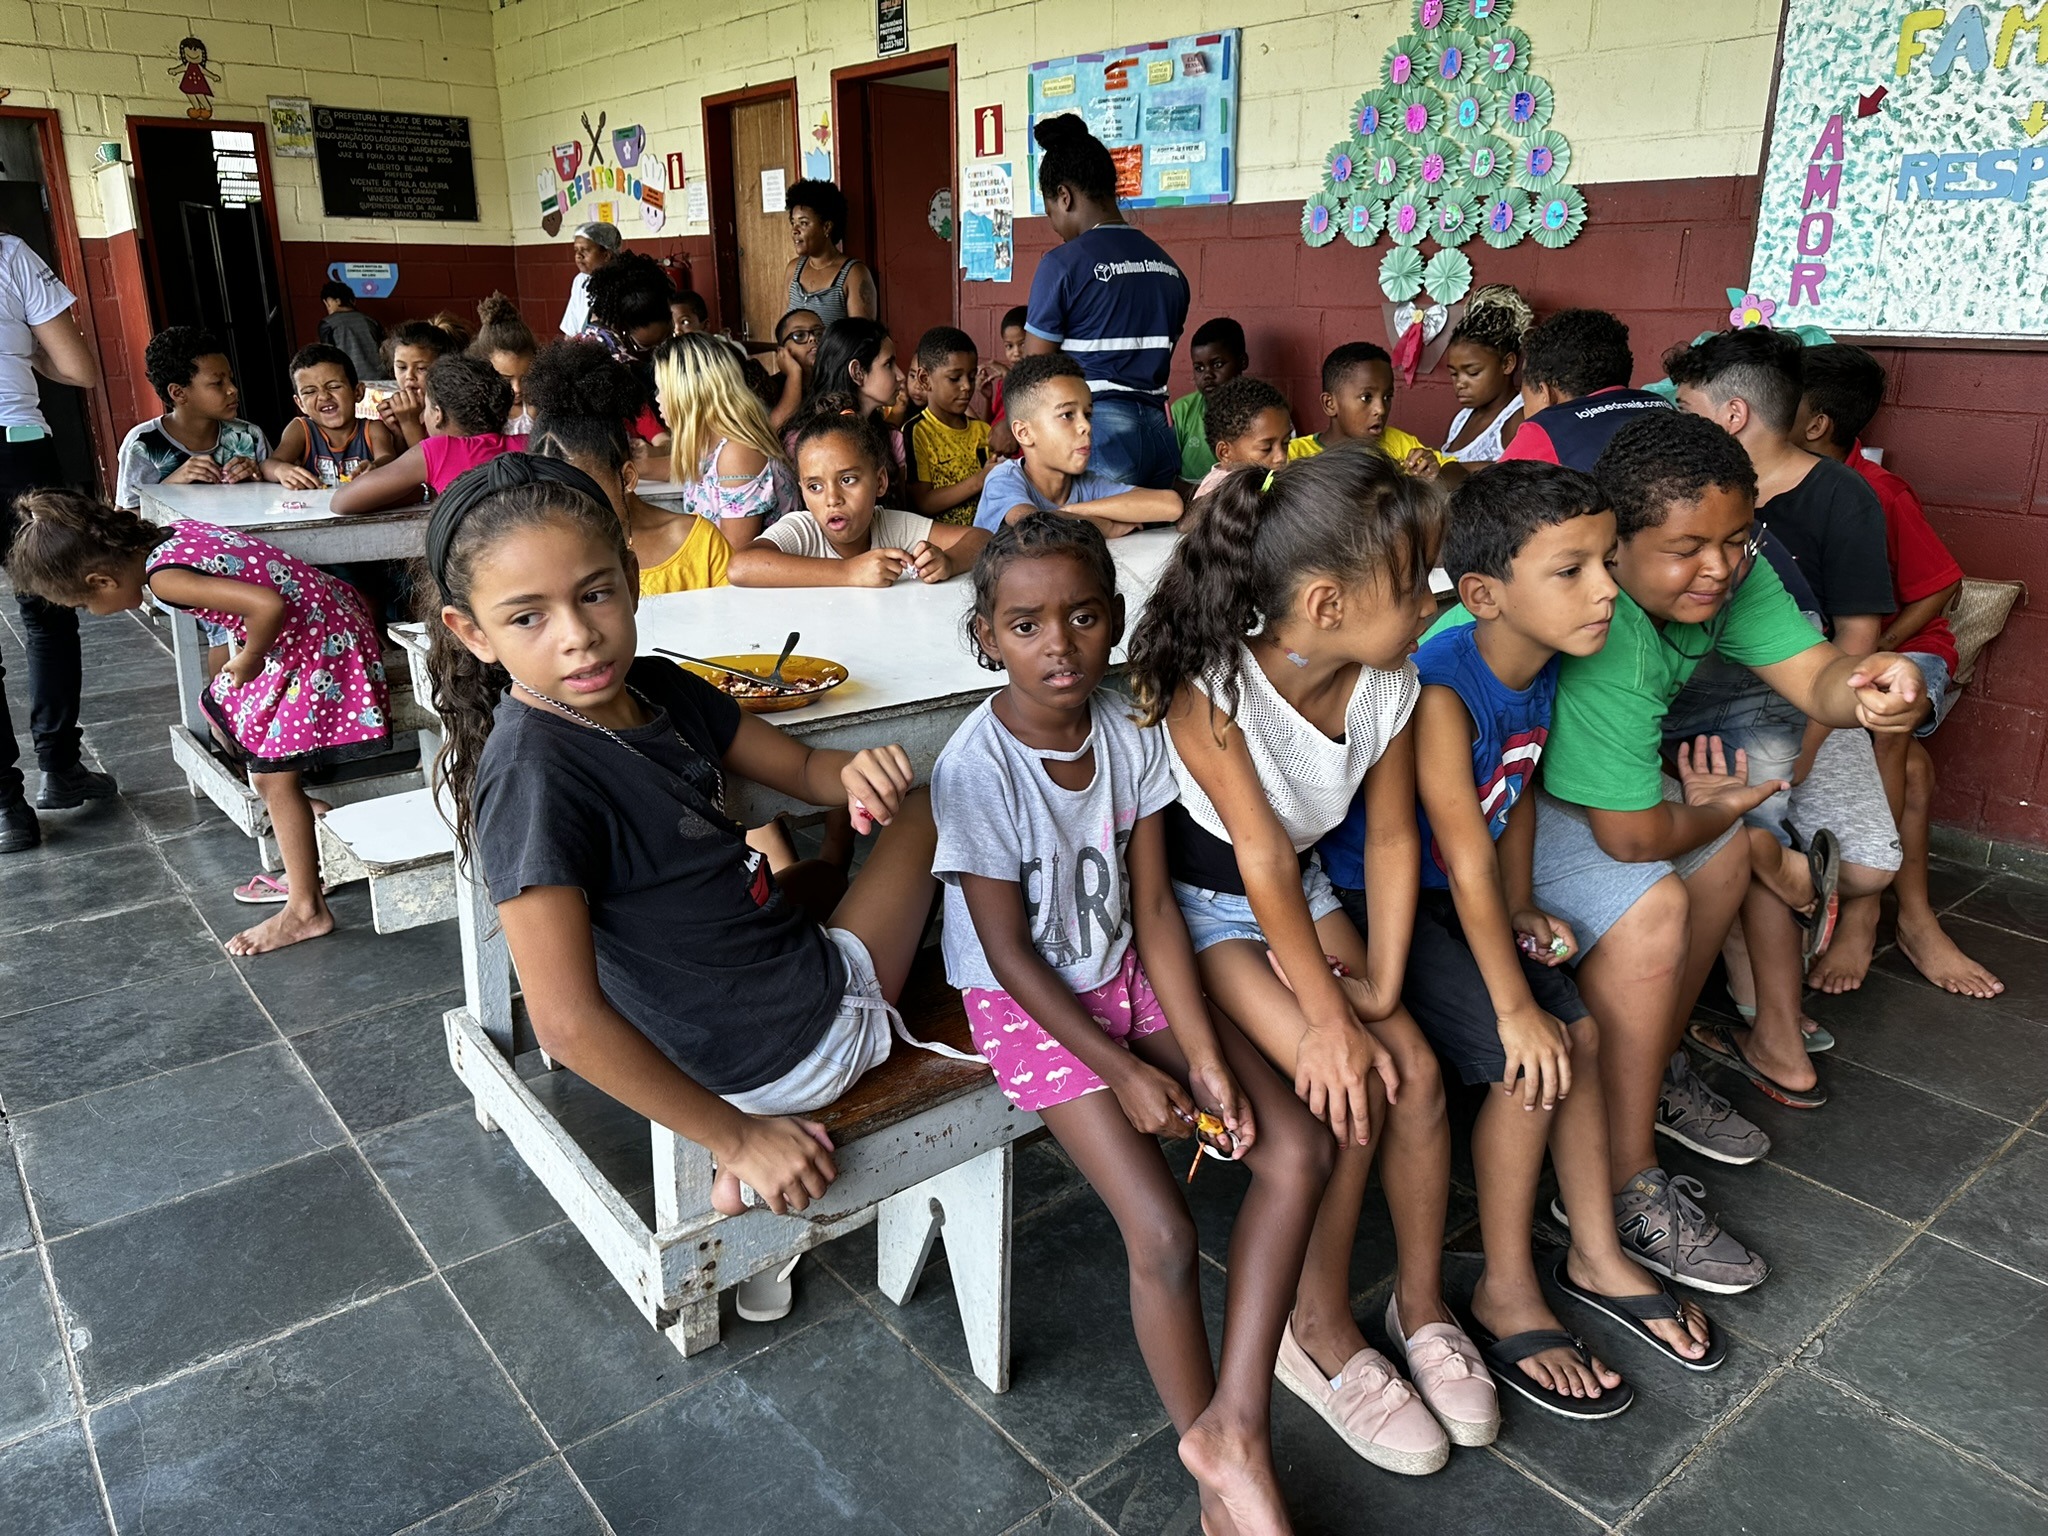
{"type": "Point", "coordinates": [1717, 1041]}
{"type": "Point", "coordinates": [263, 891]}
{"type": "Point", "coordinates": [1636, 1313]}
{"type": "Point", "coordinates": [1818, 1039]}
{"type": "Point", "coordinates": [1504, 1357]}
{"type": "Point", "coordinates": [1824, 860]}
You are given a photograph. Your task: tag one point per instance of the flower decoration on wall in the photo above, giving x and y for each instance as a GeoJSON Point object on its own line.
{"type": "Point", "coordinates": [1407, 62]}
{"type": "Point", "coordinates": [1502, 50]}
{"type": "Point", "coordinates": [1480, 12]}
{"type": "Point", "coordinates": [1437, 162]}
{"type": "Point", "coordinates": [1415, 113]}
{"type": "Point", "coordinates": [1525, 104]}
{"type": "Point", "coordinates": [1453, 57]}
{"type": "Point", "coordinates": [1447, 277]}
{"type": "Point", "coordinates": [1407, 219]}
{"type": "Point", "coordinates": [1369, 117]}
{"type": "Point", "coordinates": [1401, 274]}
{"type": "Point", "coordinates": [1388, 172]}
{"type": "Point", "coordinates": [1319, 217]}
{"type": "Point", "coordinates": [1557, 217]}
{"type": "Point", "coordinates": [1470, 115]}
{"type": "Point", "coordinates": [1363, 221]}
{"type": "Point", "coordinates": [1454, 220]}
{"type": "Point", "coordinates": [1431, 14]}
{"type": "Point", "coordinates": [1504, 219]}
{"type": "Point", "coordinates": [1485, 164]}
{"type": "Point", "coordinates": [1749, 309]}
{"type": "Point", "coordinates": [1543, 161]}
{"type": "Point", "coordinates": [1341, 173]}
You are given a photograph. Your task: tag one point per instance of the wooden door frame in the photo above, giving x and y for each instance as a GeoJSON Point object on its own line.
{"type": "Point", "coordinates": [143, 223]}
{"type": "Point", "coordinates": [723, 196]}
{"type": "Point", "coordinates": [71, 264]}
{"type": "Point", "coordinates": [850, 130]}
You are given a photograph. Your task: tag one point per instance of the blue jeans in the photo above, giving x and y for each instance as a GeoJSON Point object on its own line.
{"type": "Point", "coordinates": [1134, 442]}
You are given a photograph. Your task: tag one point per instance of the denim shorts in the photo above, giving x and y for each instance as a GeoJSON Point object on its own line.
{"type": "Point", "coordinates": [1580, 882]}
{"type": "Point", "coordinates": [1134, 442]}
{"type": "Point", "coordinates": [1941, 690]}
{"type": "Point", "coordinates": [1213, 916]}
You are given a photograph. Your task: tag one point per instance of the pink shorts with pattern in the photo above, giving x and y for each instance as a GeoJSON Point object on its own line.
{"type": "Point", "coordinates": [1034, 1070]}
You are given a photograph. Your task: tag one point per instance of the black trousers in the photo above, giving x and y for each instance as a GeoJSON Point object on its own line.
{"type": "Point", "coordinates": [55, 671]}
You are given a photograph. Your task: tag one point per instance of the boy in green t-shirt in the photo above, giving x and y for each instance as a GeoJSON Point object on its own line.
{"type": "Point", "coordinates": [1620, 849]}
{"type": "Point", "coordinates": [1218, 355]}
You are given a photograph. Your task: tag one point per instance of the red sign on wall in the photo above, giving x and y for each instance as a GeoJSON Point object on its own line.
{"type": "Point", "coordinates": [675, 169]}
{"type": "Point", "coordinates": [988, 131]}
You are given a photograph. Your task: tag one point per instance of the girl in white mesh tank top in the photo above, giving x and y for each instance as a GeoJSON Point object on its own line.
{"type": "Point", "coordinates": [1274, 653]}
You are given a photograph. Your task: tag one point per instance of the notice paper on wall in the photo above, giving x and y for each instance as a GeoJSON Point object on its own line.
{"type": "Point", "coordinates": [697, 204]}
{"type": "Point", "coordinates": [773, 185]}
{"type": "Point", "coordinates": [1167, 110]}
{"type": "Point", "coordinates": [987, 206]}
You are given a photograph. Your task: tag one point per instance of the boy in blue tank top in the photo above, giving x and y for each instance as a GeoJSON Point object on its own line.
{"type": "Point", "coordinates": [1528, 546]}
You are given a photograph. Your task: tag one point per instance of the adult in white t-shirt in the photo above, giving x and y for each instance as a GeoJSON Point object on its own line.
{"type": "Point", "coordinates": [594, 245]}
{"type": "Point", "coordinates": [38, 335]}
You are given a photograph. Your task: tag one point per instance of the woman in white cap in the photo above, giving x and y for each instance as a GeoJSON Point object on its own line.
{"type": "Point", "coordinates": [594, 245]}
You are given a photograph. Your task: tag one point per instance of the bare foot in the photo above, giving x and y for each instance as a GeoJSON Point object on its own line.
{"type": "Point", "coordinates": [1507, 1311]}
{"type": "Point", "coordinates": [1847, 959]}
{"type": "Point", "coordinates": [1614, 1275]}
{"type": "Point", "coordinates": [1240, 1494]}
{"type": "Point", "coordinates": [291, 926]}
{"type": "Point", "coordinates": [320, 807]}
{"type": "Point", "coordinates": [1935, 955]}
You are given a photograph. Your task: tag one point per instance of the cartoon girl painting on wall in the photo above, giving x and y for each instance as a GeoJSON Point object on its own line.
{"type": "Point", "coordinates": [197, 74]}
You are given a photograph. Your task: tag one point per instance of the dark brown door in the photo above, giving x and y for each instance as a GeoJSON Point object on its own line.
{"type": "Point", "coordinates": [910, 138]}
{"type": "Point", "coordinates": [761, 142]}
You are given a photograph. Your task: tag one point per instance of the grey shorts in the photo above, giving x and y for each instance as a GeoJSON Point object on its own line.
{"type": "Point", "coordinates": [1941, 689]}
{"type": "Point", "coordinates": [857, 1041]}
{"type": "Point", "coordinates": [1579, 881]}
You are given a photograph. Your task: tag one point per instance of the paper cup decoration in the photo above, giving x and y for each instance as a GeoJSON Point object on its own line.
{"type": "Point", "coordinates": [1318, 221]}
{"type": "Point", "coordinates": [1504, 219]}
{"type": "Point", "coordinates": [1401, 274]}
{"type": "Point", "coordinates": [1447, 277]}
{"type": "Point", "coordinates": [1557, 217]}
{"type": "Point", "coordinates": [1454, 142]}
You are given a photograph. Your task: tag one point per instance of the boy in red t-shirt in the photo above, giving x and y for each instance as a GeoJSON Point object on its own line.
{"type": "Point", "coordinates": [1843, 388]}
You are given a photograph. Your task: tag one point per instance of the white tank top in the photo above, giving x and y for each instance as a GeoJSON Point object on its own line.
{"type": "Point", "coordinates": [1309, 779]}
{"type": "Point", "coordinates": [1488, 445]}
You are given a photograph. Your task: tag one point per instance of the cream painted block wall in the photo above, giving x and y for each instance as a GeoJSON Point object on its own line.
{"type": "Point", "coordinates": [100, 63]}
{"type": "Point", "coordinates": [1646, 89]}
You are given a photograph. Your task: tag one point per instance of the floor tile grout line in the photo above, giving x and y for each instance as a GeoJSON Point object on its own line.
{"type": "Point", "coordinates": [507, 1479]}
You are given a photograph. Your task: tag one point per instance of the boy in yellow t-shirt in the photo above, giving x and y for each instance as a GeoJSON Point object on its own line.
{"type": "Point", "coordinates": [945, 448]}
{"type": "Point", "coordinates": [1358, 397]}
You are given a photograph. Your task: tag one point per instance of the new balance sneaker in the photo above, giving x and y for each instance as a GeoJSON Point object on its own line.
{"type": "Point", "coordinates": [1695, 1116]}
{"type": "Point", "coordinates": [1663, 1228]}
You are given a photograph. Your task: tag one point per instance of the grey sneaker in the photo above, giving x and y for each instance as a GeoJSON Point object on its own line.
{"type": "Point", "coordinates": [1695, 1116]}
{"type": "Point", "coordinates": [1663, 1229]}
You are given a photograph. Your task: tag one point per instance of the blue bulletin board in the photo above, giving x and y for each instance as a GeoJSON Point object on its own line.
{"type": "Point", "coordinates": [1902, 196]}
{"type": "Point", "coordinates": [1167, 111]}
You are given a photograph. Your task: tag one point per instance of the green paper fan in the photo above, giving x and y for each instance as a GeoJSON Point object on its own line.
{"type": "Point", "coordinates": [1432, 14]}
{"type": "Point", "coordinates": [1415, 113]}
{"type": "Point", "coordinates": [1504, 218]}
{"type": "Point", "coordinates": [1503, 50]}
{"type": "Point", "coordinates": [1453, 58]}
{"type": "Point", "coordinates": [1470, 112]}
{"type": "Point", "coordinates": [1363, 221]}
{"type": "Point", "coordinates": [1453, 221]}
{"type": "Point", "coordinates": [1401, 273]}
{"type": "Point", "coordinates": [1407, 62]}
{"type": "Point", "coordinates": [1318, 221]}
{"type": "Point", "coordinates": [1436, 165]}
{"type": "Point", "coordinates": [1487, 13]}
{"type": "Point", "coordinates": [1341, 170]}
{"type": "Point", "coordinates": [1526, 102]}
{"type": "Point", "coordinates": [1369, 118]}
{"type": "Point", "coordinates": [1484, 164]}
{"type": "Point", "coordinates": [1408, 219]}
{"type": "Point", "coordinates": [1557, 216]}
{"type": "Point", "coordinates": [1389, 170]}
{"type": "Point", "coordinates": [1543, 161]}
{"type": "Point", "coordinates": [1448, 276]}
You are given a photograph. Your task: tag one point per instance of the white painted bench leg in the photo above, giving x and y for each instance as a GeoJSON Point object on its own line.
{"type": "Point", "coordinates": [695, 1328]}
{"type": "Point", "coordinates": [972, 1203]}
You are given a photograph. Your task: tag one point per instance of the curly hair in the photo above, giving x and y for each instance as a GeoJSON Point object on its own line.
{"type": "Point", "coordinates": [1234, 406]}
{"type": "Point", "coordinates": [1497, 318]}
{"type": "Point", "coordinates": [630, 291]}
{"type": "Point", "coordinates": [1665, 459]}
{"type": "Point", "coordinates": [1073, 158]}
{"type": "Point", "coordinates": [1577, 351]}
{"type": "Point", "coordinates": [173, 354]}
{"type": "Point", "coordinates": [470, 394]}
{"type": "Point", "coordinates": [1763, 367]}
{"type": "Point", "coordinates": [500, 329]}
{"type": "Point", "coordinates": [581, 401]}
{"type": "Point", "coordinates": [1035, 536]}
{"type": "Point", "coordinates": [824, 199]}
{"type": "Point", "coordinates": [1247, 547]}
{"type": "Point", "coordinates": [1845, 384]}
{"type": "Point", "coordinates": [1493, 516]}
{"type": "Point", "coordinates": [61, 537]}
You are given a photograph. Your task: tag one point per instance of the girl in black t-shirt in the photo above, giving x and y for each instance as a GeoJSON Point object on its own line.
{"type": "Point", "coordinates": [660, 959]}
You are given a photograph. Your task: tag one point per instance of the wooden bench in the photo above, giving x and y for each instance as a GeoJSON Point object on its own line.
{"type": "Point", "coordinates": [399, 844]}
{"type": "Point", "coordinates": [924, 1146]}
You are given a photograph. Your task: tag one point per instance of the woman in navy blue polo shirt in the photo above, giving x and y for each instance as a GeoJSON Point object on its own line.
{"type": "Point", "coordinates": [1112, 299]}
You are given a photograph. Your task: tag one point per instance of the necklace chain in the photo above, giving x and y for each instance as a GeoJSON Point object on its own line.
{"type": "Point", "coordinates": [718, 776]}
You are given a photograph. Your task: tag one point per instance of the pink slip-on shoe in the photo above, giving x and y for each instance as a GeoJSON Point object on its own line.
{"type": "Point", "coordinates": [1371, 1408]}
{"type": "Point", "coordinates": [1451, 1378]}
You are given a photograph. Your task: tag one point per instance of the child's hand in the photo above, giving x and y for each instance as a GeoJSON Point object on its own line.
{"type": "Point", "coordinates": [296, 477]}
{"type": "Point", "coordinates": [1550, 940]}
{"type": "Point", "coordinates": [1540, 1054]}
{"type": "Point", "coordinates": [876, 568]}
{"type": "Point", "coordinates": [1216, 1091]}
{"type": "Point", "coordinates": [1890, 693]}
{"type": "Point", "coordinates": [784, 1160]}
{"type": "Point", "coordinates": [1421, 463]}
{"type": "Point", "coordinates": [1332, 1066]}
{"type": "Point", "coordinates": [1704, 773]}
{"type": "Point", "coordinates": [243, 667]}
{"type": "Point", "coordinates": [1153, 1102]}
{"type": "Point", "coordinates": [985, 380]}
{"type": "Point", "coordinates": [876, 782]}
{"type": "Point", "coordinates": [930, 562]}
{"type": "Point", "coordinates": [238, 470]}
{"type": "Point", "coordinates": [400, 413]}
{"type": "Point", "coordinates": [197, 470]}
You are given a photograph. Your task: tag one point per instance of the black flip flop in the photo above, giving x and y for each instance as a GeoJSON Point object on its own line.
{"type": "Point", "coordinates": [1504, 1357]}
{"type": "Point", "coordinates": [1636, 1313]}
{"type": "Point", "coordinates": [1718, 1041]}
{"type": "Point", "coordinates": [1824, 861]}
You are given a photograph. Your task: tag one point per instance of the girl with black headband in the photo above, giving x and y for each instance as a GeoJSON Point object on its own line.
{"type": "Point", "coordinates": [659, 957]}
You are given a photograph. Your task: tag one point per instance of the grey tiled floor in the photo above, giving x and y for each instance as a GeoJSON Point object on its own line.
{"type": "Point", "coordinates": [270, 1276]}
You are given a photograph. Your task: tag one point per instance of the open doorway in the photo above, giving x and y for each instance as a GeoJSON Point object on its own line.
{"type": "Point", "coordinates": [35, 207]}
{"type": "Point", "coordinates": [749, 135]}
{"type": "Point", "coordinates": [210, 245]}
{"type": "Point", "coordinates": [895, 121]}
